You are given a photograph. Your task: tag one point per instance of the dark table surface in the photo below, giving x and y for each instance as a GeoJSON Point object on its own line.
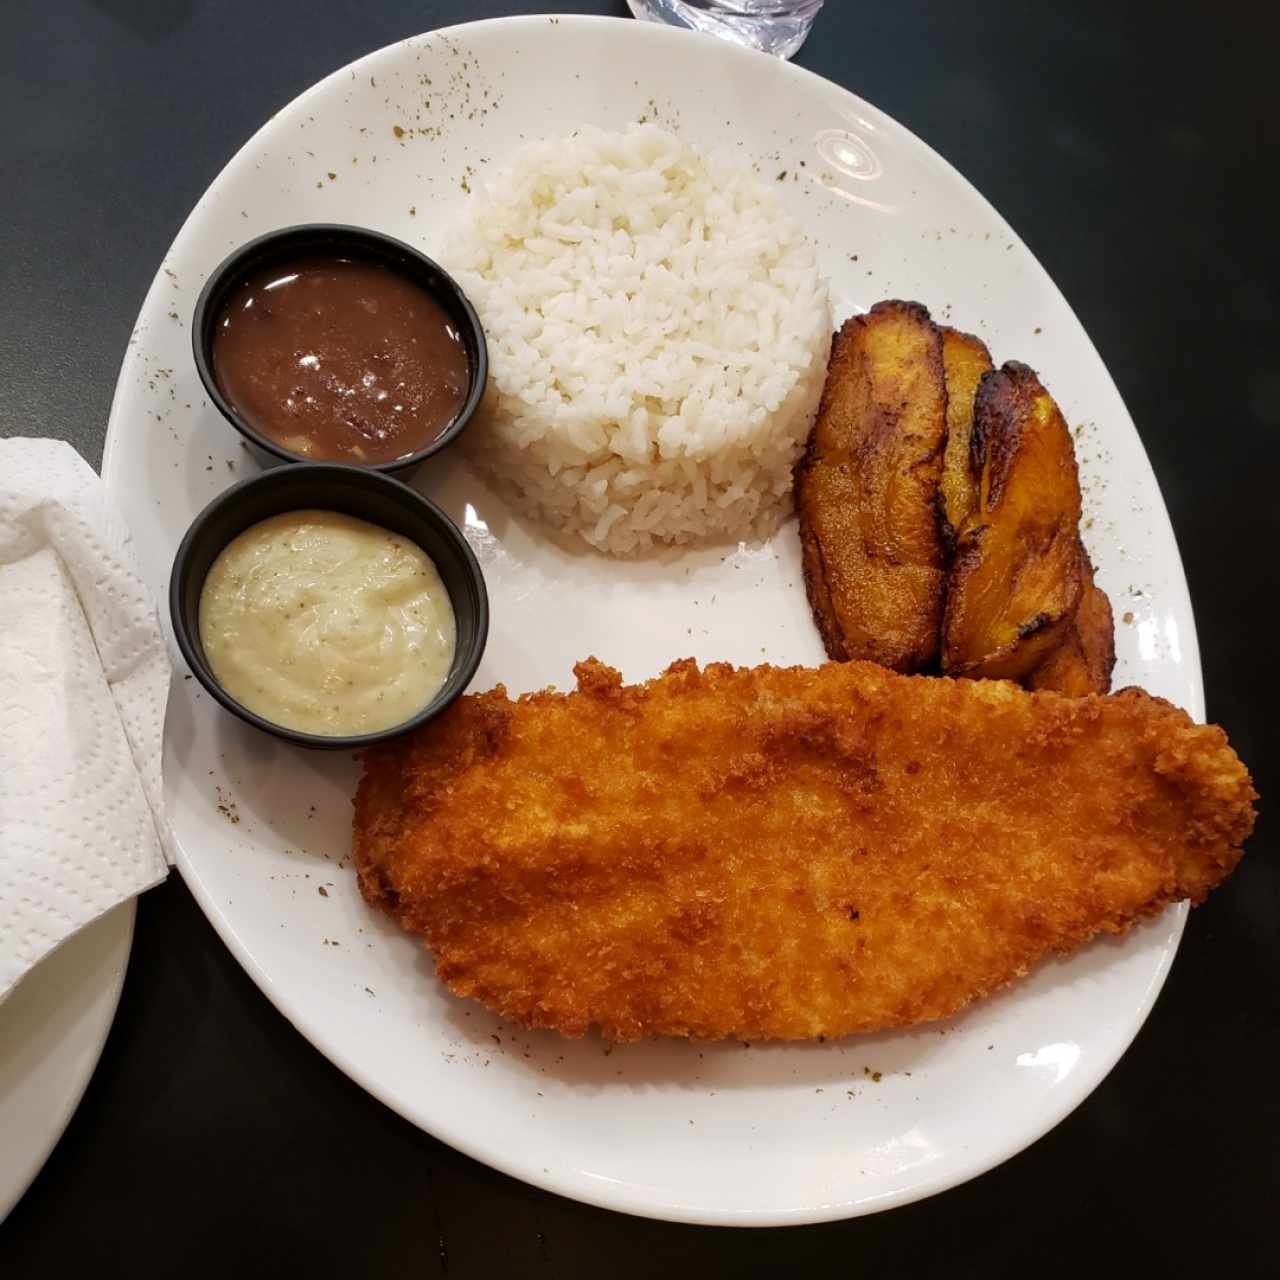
{"type": "Point", "coordinates": [1135, 149]}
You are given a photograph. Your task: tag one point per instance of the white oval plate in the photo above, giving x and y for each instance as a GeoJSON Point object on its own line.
{"type": "Point", "coordinates": [699, 1133]}
{"type": "Point", "coordinates": [52, 1029]}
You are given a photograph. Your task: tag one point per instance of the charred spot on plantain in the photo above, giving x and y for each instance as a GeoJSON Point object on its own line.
{"type": "Point", "coordinates": [1034, 625]}
{"type": "Point", "coordinates": [944, 525]}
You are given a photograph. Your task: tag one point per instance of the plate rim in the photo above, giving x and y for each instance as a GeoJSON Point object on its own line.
{"type": "Point", "coordinates": [70, 1102]}
{"type": "Point", "coordinates": [631, 1199]}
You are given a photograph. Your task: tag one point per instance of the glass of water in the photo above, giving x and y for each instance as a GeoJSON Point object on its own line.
{"type": "Point", "coordinates": [773, 26]}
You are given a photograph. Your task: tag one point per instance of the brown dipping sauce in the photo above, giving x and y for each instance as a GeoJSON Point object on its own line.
{"type": "Point", "coordinates": [340, 360]}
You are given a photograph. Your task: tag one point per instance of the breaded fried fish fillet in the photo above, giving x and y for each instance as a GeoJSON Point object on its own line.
{"type": "Point", "coordinates": [784, 853]}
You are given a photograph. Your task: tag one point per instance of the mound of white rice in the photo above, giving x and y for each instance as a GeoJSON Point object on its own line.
{"type": "Point", "coordinates": [658, 335]}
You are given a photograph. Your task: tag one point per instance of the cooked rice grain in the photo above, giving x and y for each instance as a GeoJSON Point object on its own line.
{"type": "Point", "coordinates": [657, 333]}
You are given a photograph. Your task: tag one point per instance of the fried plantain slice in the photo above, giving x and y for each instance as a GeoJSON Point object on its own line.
{"type": "Point", "coordinates": [1018, 573]}
{"type": "Point", "coordinates": [1083, 662]}
{"type": "Point", "coordinates": [965, 359]}
{"type": "Point", "coordinates": [866, 491]}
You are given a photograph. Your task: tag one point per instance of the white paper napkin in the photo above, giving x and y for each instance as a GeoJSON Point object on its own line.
{"type": "Point", "coordinates": [84, 675]}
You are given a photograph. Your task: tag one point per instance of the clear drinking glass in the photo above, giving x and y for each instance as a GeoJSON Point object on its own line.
{"type": "Point", "coordinates": [773, 26]}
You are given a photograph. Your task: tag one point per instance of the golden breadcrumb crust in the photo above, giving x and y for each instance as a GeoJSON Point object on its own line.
{"type": "Point", "coordinates": [784, 852]}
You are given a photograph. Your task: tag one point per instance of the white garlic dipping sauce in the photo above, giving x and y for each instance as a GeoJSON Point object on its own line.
{"type": "Point", "coordinates": [327, 624]}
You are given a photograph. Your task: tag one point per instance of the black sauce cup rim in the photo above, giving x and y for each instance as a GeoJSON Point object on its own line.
{"type": "Point", "coordinates": [193, 653]}
{"type": "Point", "coordinates": [241, 260]}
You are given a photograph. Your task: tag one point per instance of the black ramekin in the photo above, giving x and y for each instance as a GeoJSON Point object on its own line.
{"type": "Point", "coordinates": [328, 239]}
{"type": "Point", "coordinates": [358, 492]}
